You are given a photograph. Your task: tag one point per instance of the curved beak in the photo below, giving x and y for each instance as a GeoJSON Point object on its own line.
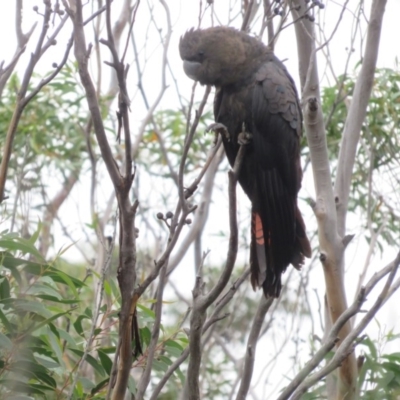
{"type": "Point", "coordinates": [191, 69]}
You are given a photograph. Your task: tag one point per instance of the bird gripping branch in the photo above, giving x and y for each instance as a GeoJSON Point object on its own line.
{"type": "Point", "coordinates": [257, 103]}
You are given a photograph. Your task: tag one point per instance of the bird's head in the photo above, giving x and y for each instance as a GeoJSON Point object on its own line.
{"type": "Point", "coordinates": [220, 55]}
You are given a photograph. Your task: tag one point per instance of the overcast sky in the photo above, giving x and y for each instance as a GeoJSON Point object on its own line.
{"type": "Point", "coordinates": [184, 15]}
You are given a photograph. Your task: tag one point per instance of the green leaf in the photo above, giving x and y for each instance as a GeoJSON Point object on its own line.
{"type": "Point", "coordinates": [33, 307]}
{"type": "Point", "coordinates": [392, 367]}
{"type": "Point", "coordinates": [35, 235]}
{"type": "Point", "coordinates": [5, 322]}
{"type": "Point", "coordinates": [20, 244]}
{"type": "Point", "coordinates": [5, 261]}
{"type": "Point", "coordinates": [386, 378]}
{"type": "Point", "coordinates": [105, 361]}
{"type": "Point", "coordinates": [67, 337]}
{"type": "Point", "coordinates": [91, 360]}
{"type": "Point", "coordinates": [180, 376]}
{"type": "Point", "coordinates": [107, 288]}
{"type": "Point", "coordinates": [149, 313]}
{"type": "Point", "coordinates": [131, 385]}
{"type": "Point", "coordinates": [4, 289]}
{"type": "Point", "coordinates": [184, 340]}
{"type": "Point", "coordinates": [5, 342]}
{"type": "Point", "coordinates": [68, 280]}
{"type": "Point", "coordinates": [100, 386]}
{"type": "Point", "coordinates": [55, 345]}
{"type": "Point", "coordinates": [173, 351]}
{"type": "Point", "coordinates": [23, 387]}
{"type": "Point", "coordinates": [159, 365]}
{"type": "Point", "coordinates": [371, 346]}
{"type": "Point", "coordinates": [43, 288]}
{"type": "Point", "coordinates": [165, 360]}
{"type": "Point", "coordinates": [46, 321]}
{"type": "Point", "coordinates": [115, 290]}
{"type": "Point", "coordinates": [145, 335]}
{"type": "Point", "coordinates": [108, 350]}
{"type": "Point", "coordinates": [174, 344]}
{"type": "Point", "coordinates": [393, 357]}
{"type": "Point", "coordinates": [88, 312]}
{"type": "Point", "coordinates": [46, 379]}
{"type": "Point", "coordinates": [55, 274]}
{"type": "Point", "coordinates": [47, 362]}
{"type": "Point", "coordinates": [87, 384]}
{"type": "Point", "coordinates": [63, 250]}
{"type": "Point", "coordinates": [57, 300]}
{"type": "Point", "coordinates": [78, 324]}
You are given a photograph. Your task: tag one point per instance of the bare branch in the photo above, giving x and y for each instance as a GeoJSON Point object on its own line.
{"type": "Point", "coordinates": [124, 102]}
{"type": "Point", "coordinates": [251, 347]}
{"type": "Point", "coordinates": [82, 54]}
{"type": "Point", "coordinates": [21, 99]}
{"type": "Point", "coordinates": [47, 80]}
{"type": "Point", "coordinates": [150, 109]}
{"type": "Point", "coordinates": [52, 210]}
{"type": "Point", "coordinates": [200, 217]}
{"type": "Point", "coordinates": [226, 298]}
{"type": "Point", "coordinates": [201, 302]}
{"type": "Point", "coordinates": [357, 112]}
{"type": "Point", "coordinates": [188, 142]}
{"type": "Point", "coordinates": [215, 316]}
{"type": "Point", "coordinates": [22, 40]}
{"type": "Point", "coordinates": [51, 39]}
{"type": "Point", "coordinates": [331, 246]}
{"type": "Point", "coordinates": [347, 345]}
{"type": "Point", "coordinates": [99, 301]}
{"type": "Point", "coordinates": [268, 22]}
{"type": "Point", "coordinates": [250, 12]}
{"type": "Point", "coordinates": [327, 346]}
{"type": "Point", "coordinates": [145, 378]}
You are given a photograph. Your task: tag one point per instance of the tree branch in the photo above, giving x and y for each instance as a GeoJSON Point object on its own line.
{"type": "Point", "coordinates": [145, 378]}
{"type": "Point", "coordinates": [347, 345]}
{"type": "Point", "coordinates": [331, 246]}
{"type": "Point", "coordinates": [210, 321]}
{"type": "Point", "coordinates": [357, 112]}
{"type": "Point", "coordinates": [251, 347]}
{"type": "Point", "coordinates": [202, 302]}
{"type": "Point", "coordinates": [22, 99]}
{"type": "Point", "coordinates": [82, 57]}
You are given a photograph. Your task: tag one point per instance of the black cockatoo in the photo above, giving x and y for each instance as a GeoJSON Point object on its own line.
{"type": "Point", "coordinates": [256, 100]}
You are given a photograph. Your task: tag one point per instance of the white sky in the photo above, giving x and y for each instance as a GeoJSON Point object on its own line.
{"type": "Point", "coordinates": [184, 15]}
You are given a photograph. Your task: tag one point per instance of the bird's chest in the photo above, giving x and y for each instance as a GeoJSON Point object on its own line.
{"type": "Point", "coordinates": [233, 109]}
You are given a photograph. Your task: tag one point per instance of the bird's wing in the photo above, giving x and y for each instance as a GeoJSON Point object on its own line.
{"type": "Point", "coordinates": [277, 122]}
{"type": "Point", "coordinates": [276, 139]}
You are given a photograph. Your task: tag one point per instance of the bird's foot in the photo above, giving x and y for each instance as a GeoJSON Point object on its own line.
{"type": "Point", "coordinates": [244, 137]}
{"type": "Point", "coordinates": [219, 128]}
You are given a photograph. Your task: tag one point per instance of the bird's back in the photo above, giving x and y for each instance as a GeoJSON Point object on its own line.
{"type": "Point", "coordinates": [267, 109]}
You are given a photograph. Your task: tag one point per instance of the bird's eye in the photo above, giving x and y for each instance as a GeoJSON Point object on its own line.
{"type": "Point", "coordinates": [200, 54]}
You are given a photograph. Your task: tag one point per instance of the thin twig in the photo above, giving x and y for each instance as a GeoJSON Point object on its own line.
{"type": "Point", "coordinates": [347, 345]}
{"type": "Point", "coordinates": [251, 346]}
{"type": "Point", "coordinates": [210, 321]}
{"type": "Point", "coordinates": [145, 378]}
{"type": "Point", "coordinates": [99, 297]}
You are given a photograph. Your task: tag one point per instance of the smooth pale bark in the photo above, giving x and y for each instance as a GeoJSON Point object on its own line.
{"type": "Point", "coordinates": [331, 245]}
{"type": "Point", "coordinates": [331, 209]}
{"type": "Point", "coordinates": [357, 112]}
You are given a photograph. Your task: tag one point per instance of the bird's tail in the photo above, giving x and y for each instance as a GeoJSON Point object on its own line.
{"type": "Point", "coordinates": [278, 238]}
{"type": "Point", "coordinates": [302, 245]}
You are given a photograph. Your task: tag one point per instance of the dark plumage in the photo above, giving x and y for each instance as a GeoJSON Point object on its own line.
{"type": "Point", "coordinates": [256, 93]}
